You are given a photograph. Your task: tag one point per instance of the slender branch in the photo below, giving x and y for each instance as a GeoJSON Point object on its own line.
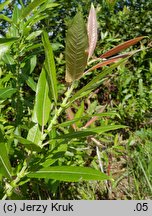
{"type": "Point", "coordinates": [13, 184]}
{"type": "Point", "coordinates": [63, 105]}
{"type": "Point", "coordinates": [60, 110]}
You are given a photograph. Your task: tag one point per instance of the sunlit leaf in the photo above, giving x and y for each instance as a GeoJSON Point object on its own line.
{"type": "Point", "coordinates": [33, 5]}
{"type": "Point", "coordinates": [27, 143]}
{"type": "Point", "coordinates": [70, 174]}
{"type": "Point", "coordinates": [8, 40]}
{"type": "Point", "coordinates": [121, 47]}
{"type": "Point", "coordinates": [43, 101]}
{"type": "Point", "coordinates": [35, 19]}
{"type": "Point", "coordinates": [85, 117]}
{"type": "Point", "coordinates": [3, 49]}
{"type": "Point", "coordinates": [5, 44]}
{"type": "Point", "coordinates": [90, 131]}
{"type": "Point", "coordinates": [113, 60]}
{"type": "Point", "coordinates": [29, 81]}
{"type": "Point", "coordinates": [16, 15]}
{"type": "Point", "coordinates": [92, 31]}
{"type": "Point", "coordinates": [34, 35]}
{"type": "Point", "coordinates": [79, 114]}
{"type": "Point", "coordinates": [3, 17]}
{"type": "Point", "coordinates": [108, 62]}
{"type": "Point", "coordinates": [51, 5]}
{"type": "Point", "coordinates": [32, 47]}
{"type": "Point", "coordinates": [6, 92]}
{"type": "Point", "coordinates": [5, 166]}
{"type": "Point", "coordinates": [50, 66]}
{"type": "Point", "coordinates": [14, 27]}
{"type": "Point", "coordinates": [30, 65]}
{"type": "Point", "coordinates": [96, 81]}
{"type": "Point", "coordinates": [34, 134]}
{"type": "Point", "coordinates": [8, 59]}
{"type": "Point", "coordinates": [76, 49]}
{"type": "Point", "coordinates": [4, 4]}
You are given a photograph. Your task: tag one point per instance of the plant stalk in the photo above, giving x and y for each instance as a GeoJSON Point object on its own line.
{"type": "Point", "coordinates": [14, 183]}
{"type": "Point", "coordinates": [60, 110]}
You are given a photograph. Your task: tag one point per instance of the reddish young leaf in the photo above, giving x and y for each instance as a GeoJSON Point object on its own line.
{"type": "Point", "coordinates": [92, 31]}
{"type": "Point", "coordinates": [91, 121]}
{"type": "Point", "coordinates": [107, 62]}
{"type": "Point", "coordinates": [112, 60]}
{"type": "Point", "coordinates": [121, 47]}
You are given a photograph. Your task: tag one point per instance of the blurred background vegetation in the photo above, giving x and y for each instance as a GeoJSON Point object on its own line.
{"type": "Point", "coordinates": [128, 92]}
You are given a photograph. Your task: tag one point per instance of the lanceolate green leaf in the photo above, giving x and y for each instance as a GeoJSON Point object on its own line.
{"type": "Point", "coordinates": [4, 4]}
{"type": "Point", "coordinates": [6, 92]}
{"type": "Point", "coordinates": [43, 101]}
{"type": "Point", "coordinates": [33, 35]}
{"type": "Point", "coordinates": [3, 17]}
{"type": "Point", "coordinates": [76, 49]}
{"type": "Point", "coordinates": [5, 166]}
{"type": "Point", "coordinates": [8, 59]}
{"type": "Point", "coordinates": [34, 135]}
{"type": "Point", "coordinates": [27, 10]}
{"type": "Point", "coordinates": [69, 174]}
{"type": "Point", "coordinates": [16, 15]}
{"type": "Point", "coordinates": [8, 40]}
{"type": "Point", "coordinates": [5, 44]}
{"type": "Point", "coordinates": [14, 28]}
{"type": "Point", "coordinates": [90, 131]}
{"type": "Point", "coordinates": [77, 119]}
{"type": "Point", "coordinates": [29, 81]}
{"type": "Point", "coordinates": [50, 66]}
{"type": "Point", "coordinates": [27, 143]}
{"type": "Point", "coordinates": [95, 82]}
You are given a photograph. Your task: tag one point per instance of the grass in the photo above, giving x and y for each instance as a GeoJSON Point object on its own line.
{"type": "Point", "coordinates": [131, 170]}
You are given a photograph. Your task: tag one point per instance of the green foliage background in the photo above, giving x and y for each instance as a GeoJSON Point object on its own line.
{"type": "Point", "coordinates": [128, 92]}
